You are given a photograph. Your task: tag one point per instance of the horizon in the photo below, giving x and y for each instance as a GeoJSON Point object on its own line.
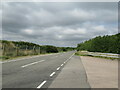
{"type": "Point", "coordinates": [61, 24]}
{"type": "Point", "coordinates": [54, 45]}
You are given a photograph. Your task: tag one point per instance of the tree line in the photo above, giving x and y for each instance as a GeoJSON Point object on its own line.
{"type": "Point", "coordinates": [21, 48]}
{"type": "Point", "coordinates": [105, 44]}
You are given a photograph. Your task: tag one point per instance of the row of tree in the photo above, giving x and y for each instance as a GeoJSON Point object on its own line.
{"type": "Point", "coordinates": [105, 44]}
{"type": "Point", "coordinates": [20, 48]}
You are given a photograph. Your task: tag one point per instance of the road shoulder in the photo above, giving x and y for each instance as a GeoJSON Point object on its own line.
{"type": "Point", "coordinates": [73, 75]}
{"type": "Point", "coordinates": [101, 73]}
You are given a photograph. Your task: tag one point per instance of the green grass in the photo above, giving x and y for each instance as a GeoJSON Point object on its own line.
{"type": "Point", "coordinates": [105, 57]}
{"type": "Point", "coordinates": [79, 53]}
{"type": "Point", "coordinates": [4, 58]}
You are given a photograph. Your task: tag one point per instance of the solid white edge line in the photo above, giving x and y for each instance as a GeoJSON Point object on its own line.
{"type": "Point", "coordinates": [58, 68]}
{"type": "Point", "coordinates": [32, 63]}
{"type": "Point", "coordinates": [27, 58]}
{"type": "Point", "coordinates": [41, 84]}
{"type": "Point", "coordinates": [52, 74]}
{"type": "Point", "coordinates": [69, 58]}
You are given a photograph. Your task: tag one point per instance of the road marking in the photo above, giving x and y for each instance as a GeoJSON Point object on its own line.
{"type": "Point", "coordinates": [54, 56]}
{"type": "Point", "coordinates": [17, 60]}
{"type": "Point", "coordinates": [58, 68]}
{"type": "Point", "coordinates": [52, 74]}
{"type": "Point", "coordinates": [61, 64]}
{"type": "Point", "coordinates": [41, 84]}
{"type": "Point", "coordinates": [27, 58]}
{"type": "Point", "coordinates": [70, 57]}
{"type": "Point", "coordinates": [32, 63]}
{"type": "Point", "coordinates": [64, 62]}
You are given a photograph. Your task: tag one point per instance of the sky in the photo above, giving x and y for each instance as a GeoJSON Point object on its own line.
{"type": "Point", "coordinates": [58, 23]}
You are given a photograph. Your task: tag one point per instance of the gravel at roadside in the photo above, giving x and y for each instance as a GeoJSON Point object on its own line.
{"type": "Point", "coordinates": [101, 73]}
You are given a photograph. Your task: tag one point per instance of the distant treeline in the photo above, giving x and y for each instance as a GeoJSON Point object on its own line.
{"type": "Point", "coordinates": [21, 48]}
{"type": "Point", "coordinates": [105, 44]}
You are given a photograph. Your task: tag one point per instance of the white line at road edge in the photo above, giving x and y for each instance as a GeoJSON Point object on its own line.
{"type": "Point", "coordinates": [69, 57]}
{"type": "Point", "coordinates": [32, 63]}
{"type": "Point", "coordinates": [52, 74]}
{"type": "Point", "coordinates": [58, 68]}
{"type": "Point", "coordinates": [41, 84]}
{"type": "Point", "coordinates": [54, 57]}
{"type": "Point", "coordinates": [27, 58]}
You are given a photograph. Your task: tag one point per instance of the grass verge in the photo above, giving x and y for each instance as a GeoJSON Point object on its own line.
{"type": "Point", "coordinates": [4, 58]}
{"type": "Point", "coordinates": [79, 53]}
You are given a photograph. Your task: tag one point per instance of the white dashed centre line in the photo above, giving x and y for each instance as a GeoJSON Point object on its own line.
{"type": "Point", "coordinates": [58, 68]}
{"type": "Point", "coordinates": [41, 84]}
{"type": "Point", "coordinates": [32, 63]}
{"type": "Point", "coordinates": [61, 64]}
{"type": "Point", "coordinates": [52, 74]}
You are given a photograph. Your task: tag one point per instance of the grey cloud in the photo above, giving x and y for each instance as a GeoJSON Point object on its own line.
{"type": "Point", "coordinates": [61, 24]}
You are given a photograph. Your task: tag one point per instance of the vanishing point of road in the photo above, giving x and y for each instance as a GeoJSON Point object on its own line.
{"type": "Point", "coordinates": [35, 72]}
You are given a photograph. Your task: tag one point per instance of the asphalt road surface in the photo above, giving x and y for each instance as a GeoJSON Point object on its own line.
{"type": "Point", "coordinates": [35, 72]}
{"type": "Point", "coordinates": [31, 73]}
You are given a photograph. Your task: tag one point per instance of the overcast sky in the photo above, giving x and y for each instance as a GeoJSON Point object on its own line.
{"type": "Point", "coordinates": [59, 24]}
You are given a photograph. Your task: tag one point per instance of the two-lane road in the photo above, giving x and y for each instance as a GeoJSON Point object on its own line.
{"type": "Point", "coordinates": [36, 72]}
